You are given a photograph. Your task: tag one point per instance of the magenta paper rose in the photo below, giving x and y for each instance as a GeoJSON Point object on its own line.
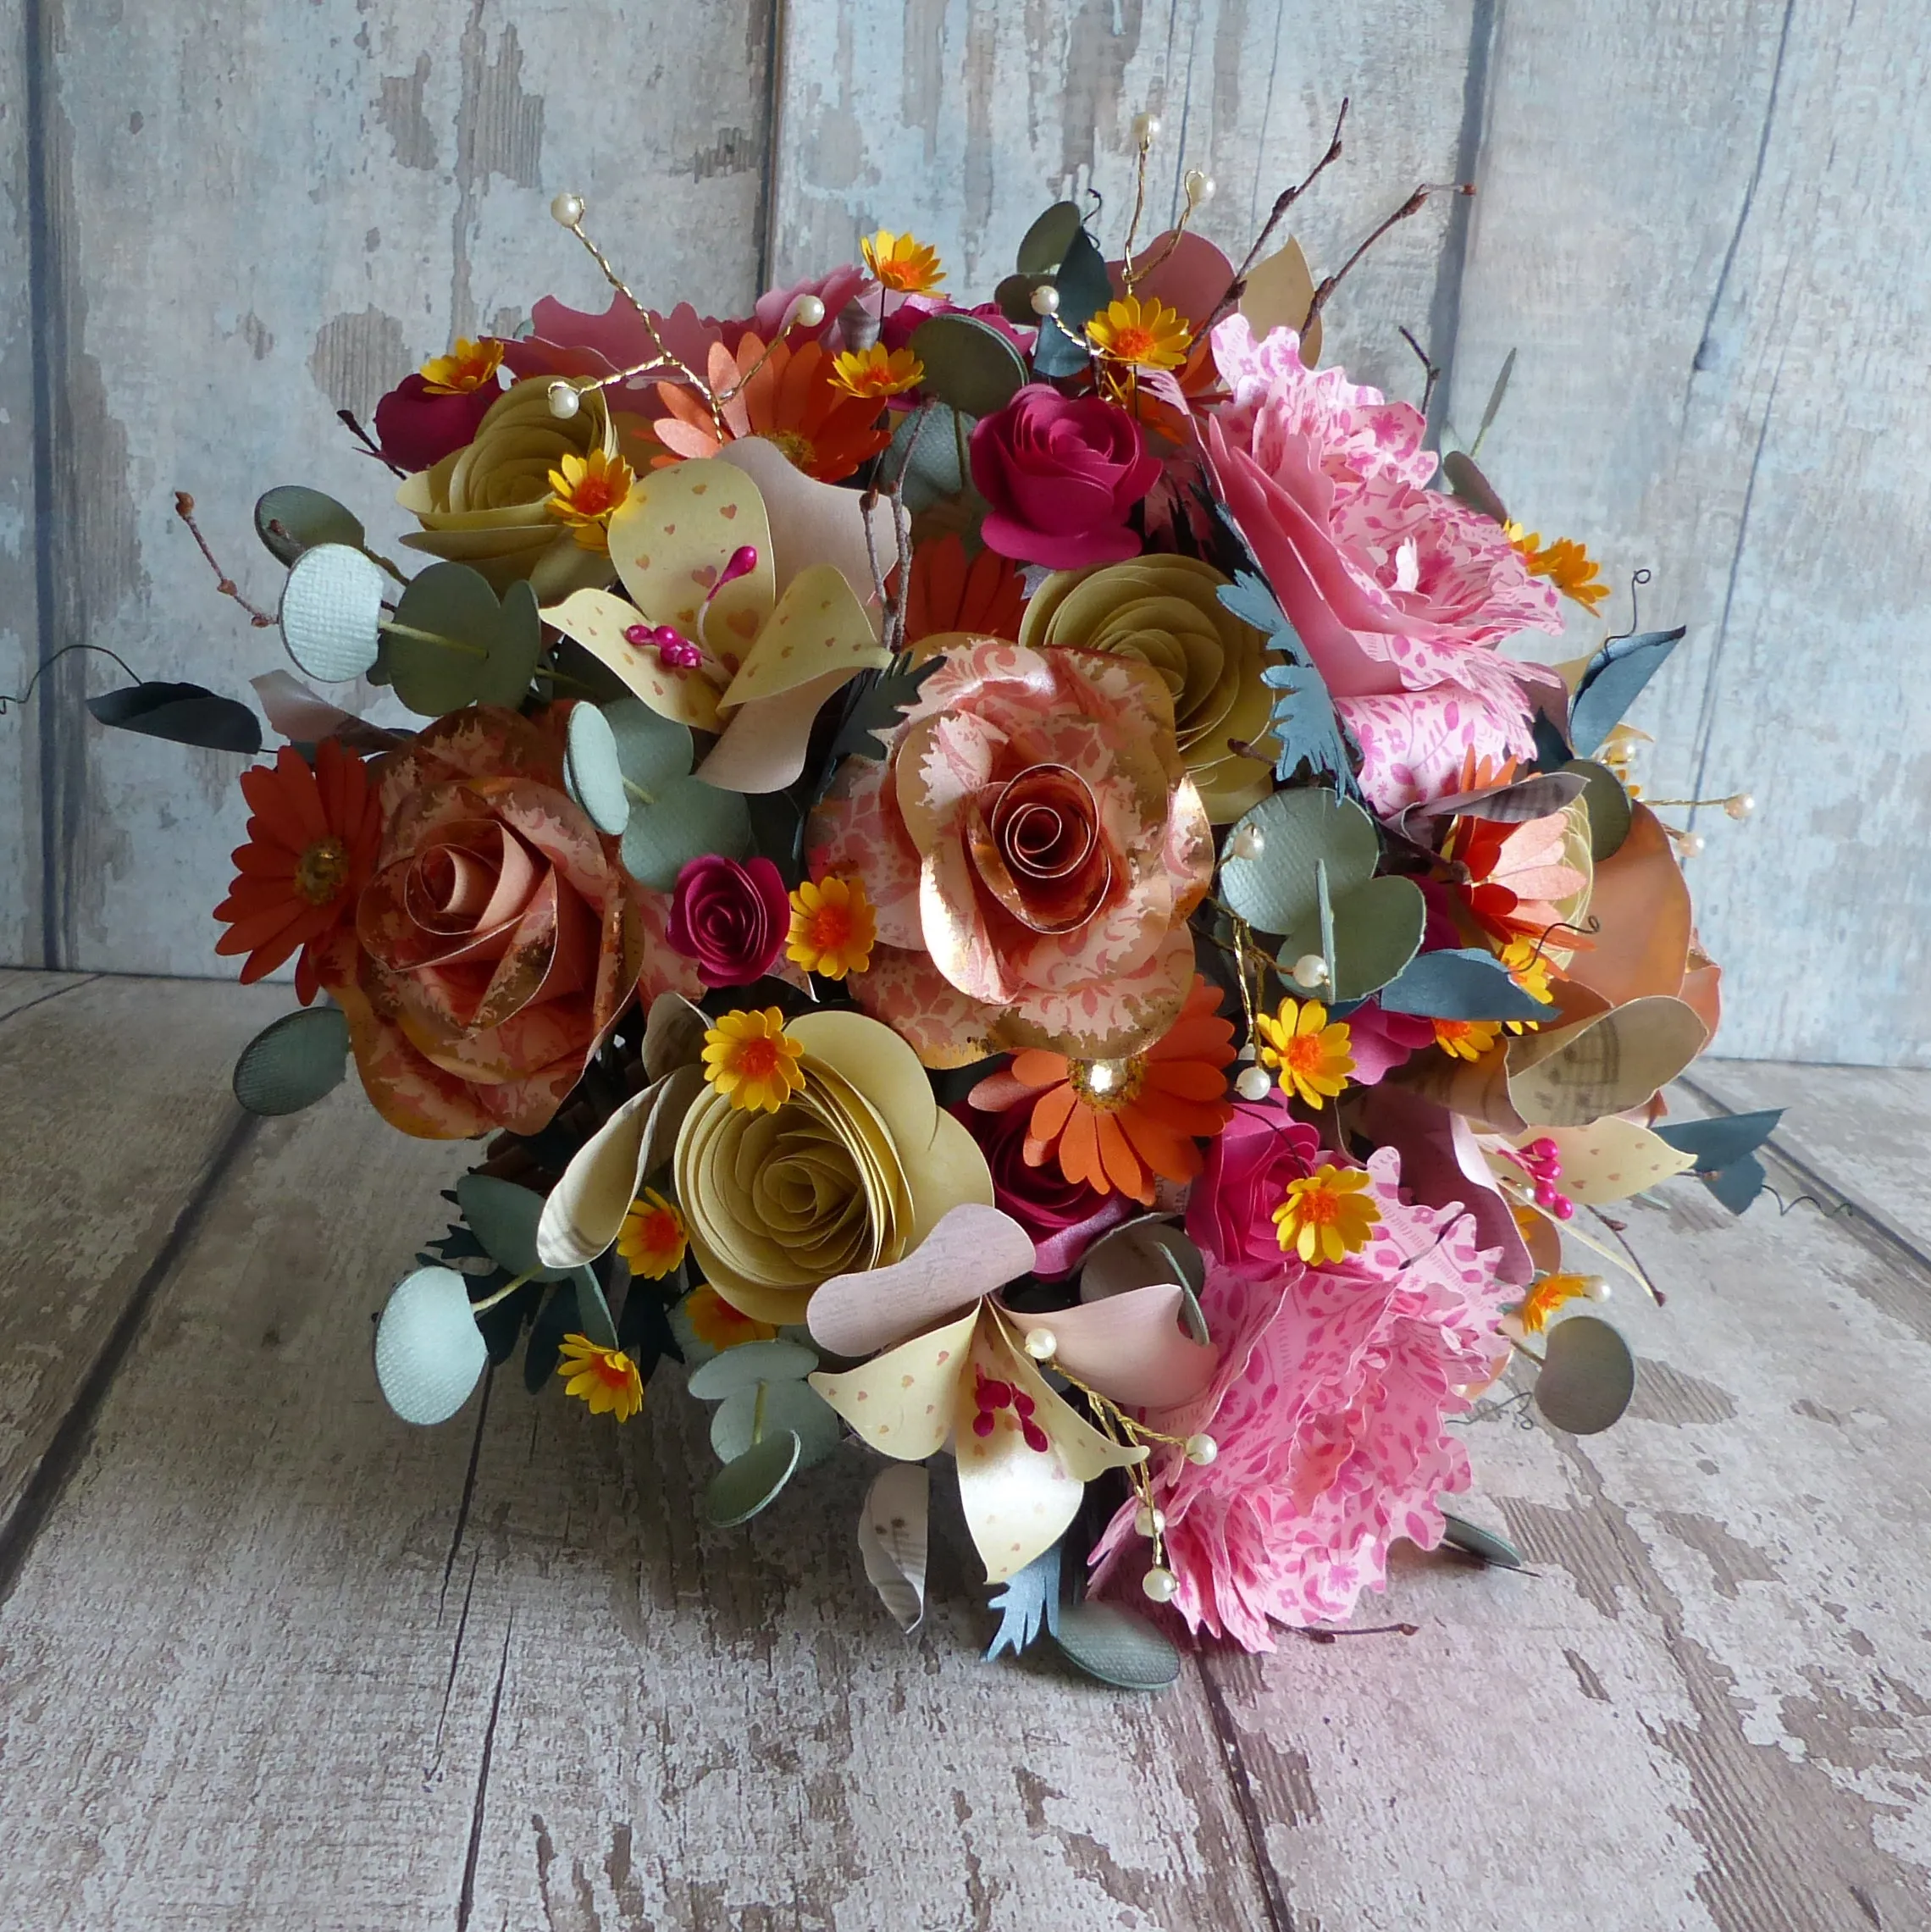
{"type": "Point", "coordinates": [418, 429]}
{"type": "Point", "coordinates": [1061, 473]}
{"type": "Point", "coordinates": [731, 918]}
{"type": "Point", "coordinates": [1230, 1214]}
{"type": "Point", "coordinates": [1063, 1217]}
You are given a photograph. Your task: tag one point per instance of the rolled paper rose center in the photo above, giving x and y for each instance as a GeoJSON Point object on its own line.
{"type": "Point", "coordinates": [1037, 845]}
{"type": "Point", "coordinates": [470, 886]}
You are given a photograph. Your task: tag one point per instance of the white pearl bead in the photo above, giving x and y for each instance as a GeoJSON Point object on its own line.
{"type": "Point", "coordinates": [1149, 1521]}
{"type": "Point", "coordinates": [1042, 1344]}
{"type": "Point", "coordinates": [1045, 300]}
{"type": "Point", "coordinates": [1595, 1288]}
{"type": "Point", "coordinates": [1255, 1083]}
{"type": "Point", "coordinates": [1690, 843]}
{"type": "Point", "coordinates": [1202, 1450]}
{"type": "Point", "coordinates": [1249, 842]}
{"type": "Point", "coordinates": [565, 401]}
{"type": "Point", "coordinates": [1159, 1584]}
{"type": "Point", "coordinates": [1199, 187]}
{"type": "Point", "coordinates": [1146, 128]}
{"type": "Point", "coordinates": [568, 209]}
{"type": "Point", "coordinates": [1741, 806]}
{"type": "Point", "coordinates": [1310, 971]}
{"type": "Point", "coordinates": [809, 313]}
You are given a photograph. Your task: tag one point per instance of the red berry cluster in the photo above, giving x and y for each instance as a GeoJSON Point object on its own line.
{"type": "Point", "coordinates": [990, 1397]}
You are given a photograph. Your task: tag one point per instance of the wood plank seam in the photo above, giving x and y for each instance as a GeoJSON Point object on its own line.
{"type": "Point", "coordinates": [466, 1899]}
{"type": "Point", "coordinates": [1451, 269]}
{"type": "Point", "coordinates": [69, 1444]}
{"type": "Point", "coordinates": [774, 124]}
{"type": "Point", "coordinates": [72, 986]}
{"type": "Point", "coordinates": [1273, 1888]}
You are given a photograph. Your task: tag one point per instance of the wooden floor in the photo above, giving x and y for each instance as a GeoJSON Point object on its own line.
{"type": "Point", "coordinates": [269, 1659]}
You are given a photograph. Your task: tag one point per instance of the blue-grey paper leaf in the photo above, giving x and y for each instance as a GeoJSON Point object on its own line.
{"type": "Point", "coordinates": [684, 820]}
{"type": "Point", "coordinates": [1304, 721]}
{"type": "Point", "coordinates": [1044, 245]}
{"type": "Point", "coordinates": [930, 458]}
{"type": "Point", "coordinates": [1496, 1551]}
{"type": "Point", "coordinates": [1613, 681]}
{"type": "Point", "coordinates": [473, 647]}
{"type": "Point", "coordinates": [1031, 1598]}
{"type": "Point", "coordinates": [291, 1063]}
{"type": "Point", "coordinates": [183, 714]}
{"type": "Point", "coordinates": [1459, 982]}
{"type": "Point", "coordinates": [1717, 1142]}
{"type": "Point", "coordinates": [1738, 1184]}
{"type": "Point", "coordinates": [1085, 289]}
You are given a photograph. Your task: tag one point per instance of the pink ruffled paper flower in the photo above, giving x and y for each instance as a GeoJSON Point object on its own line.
{"type": "Point", "coordinates": [1328, 1409]}
{"type": "Point", "coordinates": [1400, 593]}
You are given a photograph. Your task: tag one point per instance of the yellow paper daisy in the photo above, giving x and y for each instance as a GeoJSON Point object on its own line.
{"type": "Point", "coordinates": [832, 927]}
{"type": "Point", "coordinates": [902, 262]}
{"type": "Point", "coordinates": [1550, 1294]}
{"type": "Point", "coordinates": [1466, 1039]}
{"type": "Point", "coordinates": [467, 367]}
{"type": "Point", "coordinates": [605, 1378]}
{"type": "Point", "coordinates": [653, 1237]}
{"type": "Point", "coordinates": [874, 374]}
{"type": "Point", "coordinates": [751, 1060]}
{"type": "Point", "coordinates": [1149, 335]}
{"type": "Point", "coordinates": [1326, 1217]}
{"type": "Point", "coordinates": [715, 1322]}
{"type": "Point", "coordinates": [1565, 562]}
{"type": "Point", "coordinates": [1310, 1056]}
{"type": "Point", "coordinates": [584, 492]}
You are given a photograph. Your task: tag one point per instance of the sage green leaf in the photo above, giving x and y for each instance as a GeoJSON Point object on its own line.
{"type": "Point", "coordinates": [748, 1415]}
{"type": "Point", "coordinates": [682, 822]}
{"type": "Point", "coordinates": [742, 1488]}
{"type": "Point", "coordinates": [504, 1218]}
{"type": "Point", "coordinates": [1495, 1551]}
{"type": "Point", "coordinates": [1377, 930]}
{"type": "Point", "coordinates": [750, 1364]}
{"type": "Point", "coordinates": [1014, 296]}
{"type": "Point", "coordinates": [592, 1310]}
{"type": "Point", "coordinates": [652, 750]}
{"type": "Point", "coordinates": [1043, 246]}
{"type": "Point", "coordinates": [331, 610]}
{"type": "Point", "coordinates": [1116, 1646]}
{"type": "Point", "coordinates": [968, 363]}
{"type": "Point", "coordinates": [294, 1061]}
{"type": "Point", "coordinates": [452, 643]}
{"type": "Point", "coordinates": [929, 454]}
{"type": "Point", "coordinates": [1588, 1376]}
{"type": "Point", "coordinates": [1608, 803]}
{"type": "Point", "coordinates": [293, 518]}
{"type": "Point", "coordinates": [429, 1353]}
{"type": "Point", "coordinates": [1274, 888]}
{"type": "Point", "coordinates": [593, 771]}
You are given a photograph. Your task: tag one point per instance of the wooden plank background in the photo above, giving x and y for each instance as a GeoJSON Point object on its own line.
{"type": "Point", "coordinates": [1696, 224]}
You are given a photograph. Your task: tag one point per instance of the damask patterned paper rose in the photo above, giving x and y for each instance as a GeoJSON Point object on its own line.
{"type": "Point", "coordinates": [499, 939]}
{"type": "Point", "coordinates": [1032, 847]}
{"type": "Point", "coordinates": [1061, 473]}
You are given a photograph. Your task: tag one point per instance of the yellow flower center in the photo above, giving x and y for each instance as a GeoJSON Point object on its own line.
{"type": "Point", "coordinates": [830, 926]}
{"type": "Point", "coordinates": [1107, 1084]}
{"type": "Point", "coordinates": [799, 450]}
{"type": "Point", "coordinates": [757, 1059]}
{"type": "Point", "coordinates": [322, 871]}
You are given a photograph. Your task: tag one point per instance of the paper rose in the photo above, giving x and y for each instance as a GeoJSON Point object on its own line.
{"type": "Point", "coordinates": [1063, 1217]}
{"type": "Point", "coordinates": [498, 941]}
{"type": "Point", "coordinates": [488, 503]}
{"type": "Point", "coordinates": [731, 918]}
{"type": "Point", "coordinates": [417, 426]}
{"type": "Point", "coordinates": [1061, 473]}
{"type": "Point", "coordinates": [1164, 612]}
{"type": "Point", "coordinates": [1034, 833]}
{"type": "Point", "coordinates": [1249, 1163]}
{"type": "Point", "coordinates": [851, 1172]}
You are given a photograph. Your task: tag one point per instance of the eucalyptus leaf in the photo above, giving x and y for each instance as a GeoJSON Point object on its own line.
{"type": "Point", "coordinates": [1044, 245]}
{"type": "Point", "coordinates": [1014, 296]}
{"type": "Point", "coordinates": [453, 643]}
{"type": "Point", "coordinates": [1495, 394]}
{"type": "Point", "coordinates": [183, 714]}
{"type": "Point", "coordinates": [1085, 289]}
{"type": "Point", "coordinates": [968, 363]}
{"type": "Point", "coordinates": [1608, 803]}
{"type": "Point", "coordinates": [749, 1414]}
{"type": "Point", "coordinates": [291, 1063]}
{"type": "Point", "coordinates": [684, 820]}
{"type": "Point", "coordinates": [1116, 1646]}
{"type": "Point", "coordinates": [593, 771]}
{"type": "Point", "coordinates": [1495, 1551]}
{"type": "Point", "coordinates": [742, 1488]}
{"type": "Point", "coordinates": [1588, 1376]}
{"type": "Point", "coordinates": [331, 612]}
{"type": "Point", "coordinates": [750, 1364]}
{"type": "Point", "coordinates": [429, 1353]}
{"type": "Point", "coordinates": [652, 751]}
{"type": "Point", "coordinates": [592, 1310]}
{"type": "Point", "coordinates": [293, 518]}
{"type": "Point", "coordinates": [1376, 931]}
{"type": "Point", "coordinates": [929, 457]}
{"type": "Point", "coordinates": [1471, 487]}
{"type": "Point", "coordinates": [1460, 983]}
{"type": "Point", "coordinates": [1274, 889]}
{"type": "Point", "coordinates": [504, 1217]}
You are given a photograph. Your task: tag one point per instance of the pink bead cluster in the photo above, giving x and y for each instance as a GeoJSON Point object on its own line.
{"type": "Point", "coordinates": [1544, 1161]}
{"type": "Point", "coordinates": [990, 1397]}
{"type": "Point", "coordinates": [672, 646]}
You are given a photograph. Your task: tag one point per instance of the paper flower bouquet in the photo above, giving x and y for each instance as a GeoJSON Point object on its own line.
{"type": "Point", "coordinates": [983, 880]}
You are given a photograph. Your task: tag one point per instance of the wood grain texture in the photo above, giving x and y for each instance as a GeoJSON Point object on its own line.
{"type": "Point", "coordinates": [961, 119]}
{"type": "Point", "coordinates": [255, 218]}
{"type": "Point", "coordinates": [1688, 224]}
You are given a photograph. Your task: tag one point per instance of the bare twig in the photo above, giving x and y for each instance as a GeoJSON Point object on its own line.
{"type": "Point", "coordinates": [1413, 206]}
{"type": "Point", "coordinates": [353, 423]}
{"type": "Point", "coordinates": [1434, 374]}
{"type": "Point", "coordinates": [185, 509]}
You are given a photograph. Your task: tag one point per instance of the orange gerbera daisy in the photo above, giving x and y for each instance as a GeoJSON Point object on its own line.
{"type": "Point", "coordinates": [787, 397]}
{"type": "Point", "coordinates": [983, 597]}
{"type": "Point", "coordinates": [311, 850]}
{"type": "Point", "coordinates": [1118, 1123]}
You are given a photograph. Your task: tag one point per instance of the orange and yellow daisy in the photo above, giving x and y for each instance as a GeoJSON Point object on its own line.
{"type": "Point", "coordinates": [312, 846]}
{"type": "Point", "coordinates": [1309, 1054]}
{"type": "Point", "coordinates": [876, 373]}
{"type": "Point", "coordinates": [584, 492]}
{"type": "Point", "coordinates": [1119, 1123]}
{"type": "Point", "coordinates": [1550, 1294]}
{"type": "Point", "coordinates": [901, 263]}
{"type": "Point", "coordinates": [1566, 563]}
{"type": "Point", "coordinates": [1530, 967]}
{"type": "Point", "coordinates": [752, 1061]}
{"type": "Point", "coordinates": [467, 367]}
{"type": "Point", "coordinates": [605, 1378]}
{"type": "Point", "coordinates": [787, 397]}
{"type": "Point", "coordinates": [1327, 1216]}
{"type": "Point", "coordinates": [833, 927]}
{"type": "Point", "coordinates": [653, 1238]}
{"type": "Point", "coordinates": [1466, 1039]}
{"type": "Point", "coordinates": [1147, 335]}
{"type": "Point", "coordinates": [715, 1323]}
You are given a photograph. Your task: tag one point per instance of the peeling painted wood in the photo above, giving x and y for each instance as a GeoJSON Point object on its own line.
{"type": "Point", "coordinates": [1688, 225]}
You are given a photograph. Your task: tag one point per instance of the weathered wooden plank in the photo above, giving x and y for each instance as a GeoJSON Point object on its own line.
{"type": "Point", "coordinates": [24, 986]}
{"type": "Point", "coordinates": [255, 220]}
{"type": "Point", "coordinates": [1682, 226]}
{"type": "Point", "coordinates": [961, 120]}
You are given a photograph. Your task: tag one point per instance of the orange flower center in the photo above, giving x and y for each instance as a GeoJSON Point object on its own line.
{"type": "Point", "coordinates": [1108, 1085]}
{"type": "Point", "coordinates": [1447, 1030]}
{"type": "Point", "coordinates": [322, 871]}
{"type": "Point", "coordinates": [1133, 343]}
{"type": "Point", "coordinates": [799, 450]}
{"type": "Point", "coordinates": [757, 1059]}
{"type": "Point", "coordinates": [1319, 1206]}
{"type": "Point", "coordinates": [830, 927]}
{"type": "Point", "coordinates": [1304, 1053]}
{"type": "Point", "coordinates": [612, 1369]}
{"type": "Point", "coordinates": [658, 1231]}
{"type": "Point", "coordinates": [593, 496]}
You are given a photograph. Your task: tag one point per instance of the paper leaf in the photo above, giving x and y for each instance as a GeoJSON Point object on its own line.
{"type": "Point", "coordinates": [1059, 349]}
{"type": "Point", "coordinates": [1611, 1159]}
{"type": "Point", "coordinates": [1715, 1145]}
{"type": "Point", "coordinates": [748, 1415]}
{"type": "Point", "coordinates": [892, 1537]}
{"type": "Point", "coordinates": [901, 1402]}
{"type": "Point", "coordinates": [1588, 1376]}
{"type": "Point", "coordinates": [674, 1035]}
{"type": "Point", "coordinates": [1738, 1184]}
{"type": "Point", "coordinates": [473, 649]}
{"type": "Point", "coordinates": [593, 1311]}
{"type": "Point", "coordinates": [1470, 486]}
{"type": "Point", "coordinates": [293, 1062]}
{"type": "Point", "coordinates": [879, 711]}
{"type": "Point", "coordinates": [1540, 795]}
{"type": "Point", "coordinates": [1274, 890]}
{"type": "Point", "coordinates": [593, 772]}
{"type": "Point", "coordinates": [1608, 807]}
{"type": "Point", "coordinates": [1495, 394]}
{"type": "Point", "coordinates": [653, 751]}
{"type": "Point", "coordinates": [331, 610]}
{"type": "Point", "coordinates": [1012, 295]}
{"type": "Point", "coordinates": [973, 1252]}
{"type": "Point", "coordinates": [732, 1372]}
{"type": "Point", "coordinates": [1376, 930]}
{"type": "Point", "coordinates": [1608, 1064]}
{"type": "Point", "coordinates": [292, 519]}
{"type": "Point", "coordinates": [559, 1316]}
{"type": "Point", "coordinates": [969, 364]}
{"type": "Point", "coordinates": [584, 1213]}
{"type": "Point", "coordinates": [1304, 723]}
{"type": "Point", "coordinates": [932, 468]}
{"type": "Point", "coordinates": [1497, 1551]}
{"type": "Point", "coordinates": [1612, 682]}
{"type": "Point", "coordinates": [1460, 983]}
{"type": "Point", "coordinates": [1044, 245]}
{"type": "Point", "coordinates": [1279, 293]}
{"type": "Point", "coordinates": [740, 1489]}
{"type": "Point", "coordinates": [1116, 1646]}
{"type": "Point", "coordinates": [183, 714]}
{"type": "Point", "coordinates": [304, 718]}
{"type": "Point", "coordinates": [505, 1219]}
{"type": "Point", "coordinates": [670, 540]}
{"type": "Point", "coordinates": [429, 1353]}
{"type": "Point", "coordinates": [1029, 1599]}
{"type": "Point", "coordinates": [598, 621]}
{"type": "Point", "coordinates": [687, 819]}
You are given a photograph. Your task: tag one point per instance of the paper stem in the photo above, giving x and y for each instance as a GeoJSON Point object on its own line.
{"type": "Point", "coordinates": [431, 637]}
{"type": "Point", "coordinates": [757, 1413]}
{"type": "Point", "coordinates": [637, 792]}
{"type": "Point", "coordinates": [501, 1294]}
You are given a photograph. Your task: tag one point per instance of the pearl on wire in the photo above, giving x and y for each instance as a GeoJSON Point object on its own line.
{"type": "Point", "coordinates": [1146, 129]}
{"type": "Point", "coordinates": [1044, 300]}
{"type": "Point", "coordinates": [1255, 1083]}
{"type": "Point", "coordinates": [1309, 971]}
{"type": "Point", "coordinates": [1042, 1344]}
{"type": "Point", "coordinates": [1159, 1584]}
{"type": "Point", "coordinates": [1149, 1521]}
{"type": "Point", "coordinates": [568, 209]}
{"type": "Point", "coordinates": [1201, 1450]}
{"type": "Point", "coordinates": [1691, 843]}
{"type": "Point", "coordinates": [1200, 188]}
{"type": "Point", "coordinates": [565, 399]}
{"type": "Point", "coordinates": [810, 313]}
{"type": "Point", "coordinates": [1738, 805]}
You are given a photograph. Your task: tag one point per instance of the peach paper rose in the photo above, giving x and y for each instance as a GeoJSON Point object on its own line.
{"type": "Point", "coordinates": [1032, 847]}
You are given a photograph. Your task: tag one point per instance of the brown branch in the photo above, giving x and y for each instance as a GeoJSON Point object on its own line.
{"type": "Point", "coordinates": [185, 509]}
{"type": "Point", "coordinates": [348, 419]}
{"type": "Point", "coordinates": [1434, 374]}
{"type": "Point", "coordinates": [1413, 206]}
